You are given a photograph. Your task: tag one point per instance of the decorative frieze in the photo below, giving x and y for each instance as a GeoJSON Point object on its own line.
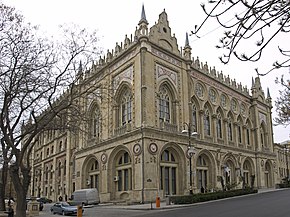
{"type": "Point", "coordinates": [162, 72]}
{"type": "Point", "coordinates": [166, 57]}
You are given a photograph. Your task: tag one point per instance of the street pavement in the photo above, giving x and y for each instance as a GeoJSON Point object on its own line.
{"type": "Point", "coordinates": [111, 210]}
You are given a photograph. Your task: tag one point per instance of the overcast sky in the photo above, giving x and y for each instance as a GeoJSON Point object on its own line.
{"type": "Point", "coordinates": [115, 18]}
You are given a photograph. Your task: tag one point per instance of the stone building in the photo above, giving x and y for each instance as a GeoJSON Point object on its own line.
{"type": "Point", "coordinates": [148, 92]}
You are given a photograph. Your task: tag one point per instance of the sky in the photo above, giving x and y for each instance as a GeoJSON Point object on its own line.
{"type": "Point", "coordinates": [113, 19]}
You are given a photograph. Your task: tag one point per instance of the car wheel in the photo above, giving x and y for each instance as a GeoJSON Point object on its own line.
{"type": "Point", "coordinates": [63, 213]}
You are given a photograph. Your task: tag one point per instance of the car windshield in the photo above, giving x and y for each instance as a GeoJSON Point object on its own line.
{"type": "Point", "coordinates": [65, 204]}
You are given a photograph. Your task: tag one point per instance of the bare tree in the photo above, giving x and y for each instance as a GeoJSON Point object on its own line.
{"type": "Point", "coordinates": [283, 103]}
{"type": "Point", "coordinates": [38, 83]}
{"type": "Point", "coordinates": [258, 21]}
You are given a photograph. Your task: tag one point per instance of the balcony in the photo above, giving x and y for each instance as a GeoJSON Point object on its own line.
{"type": "Point", "coordinates": [168, 126]}
{"type": "Point", "coordinates": [123, 129]}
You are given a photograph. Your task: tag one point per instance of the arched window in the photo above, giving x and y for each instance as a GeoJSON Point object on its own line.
{"type": "Point", "coordinates": [202, 172]}
{"type": "Point", "coordinates": [194, 118]}
{"type": "Point", "coordinates": [248, 134]}
{"type": "Point", "coordinates": [168, 172]}
{"type": "Point", "coordinates": [59, 168]}
{"type": "Point", "coordinates": [124, 172]}
{"type": "Point", "coordinates": [93, 173]}
{"type": "Point", "coordinates": [46, 173]}
{"type": "Point", "coordinates": [64, 168]}
{"type": "Point", "coordinates": [240, 134]}
{"type": "Point", "coordinates": [96, 123]}
{"type": "Point", "coordinates": [230, 129]}
{"type": "Point", "coordinates": [126, 107]}
{"type": "Point", "coordinates": [219, 126]}
{"type": "Point", "coordinates": [247, 173]}
{"type": "Point", "coordinates": [164, 105]}
{"type": "Point", "coordinates": [52, 149]}
{"type": "Point", "coordinates": [206, 123]}
{"type": "Point", "coordinates": [47, 152]}
{"type": "Point", "coordinates": [51, 171]}
{"type": "Point", "coordinates": [60, 146]}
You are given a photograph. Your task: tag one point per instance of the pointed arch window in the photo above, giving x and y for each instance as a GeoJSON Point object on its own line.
{"type": "Point", "coordinates": [230, 129]}
{"type": "Point", "coordinates": [164, 105]}
{"type": "Point", "coordinates": [219, 126]}
{"type": "Point", "coordinates": [194, 118]}
{"type": "Point", "coordinates": [96, 123]}
{"type": "Point", "coordinates": [59, 168]}
{"type": "Point", "coordinates": [240, 138]}
{"type": "Point", "coordinates": [262, 134]}
{"type": "Point", "coordinates": [207, 123]}
{"type": "Point", "coordinates": [248, 134]}
{"type": "Point", "coordinates": [126, 107]}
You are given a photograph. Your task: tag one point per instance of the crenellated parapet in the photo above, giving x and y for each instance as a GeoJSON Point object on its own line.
{"type": "Point", "coordinates": [219, 76]}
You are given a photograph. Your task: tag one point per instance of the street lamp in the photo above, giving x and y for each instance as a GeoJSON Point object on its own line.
{"type": "Point", "coordinates": [190, 151]}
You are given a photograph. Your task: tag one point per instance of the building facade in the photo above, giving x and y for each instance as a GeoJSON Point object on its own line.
{"type": "Point", "coordinates": [148, 92]}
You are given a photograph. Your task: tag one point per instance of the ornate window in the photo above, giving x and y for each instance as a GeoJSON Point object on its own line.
{"type": "Point", "coordinates": [51, 171]}
{"type": "Point", "coordinates": [240, 134]}
{"type": "Point", "coordinates": [212, 96]}
{"type": "Point", "coordinates": [168, 172]}
{"type": "Point", "coordinates": [202, 172]}
{"type": "Point", "coordinates": [248, 135]}
{"type": "Point", "coordinates": [64, 168]}
{"type": "Point", "coordinates": [126, 108]}
{"type": "Point", "coordinates": [223, 101]}
{"type": "Point", "coordinates": [96, 123]}
{"type": "Point", "coordinates": [219, 126]}
{"type": "Point", "coordinates": [93, 173]}
{"type": "Point", "coordinates": [243, 109]}
{"type": "Point", "coordinates": [194, 118]}
{"type": "Point", "coordinates": [230, 129]}
{"type": "Point", "coordinates": [247, 173]}
{"type": "Point", "coordinates": [206, 120]}
{"type": "Point", "coordinates": [59, 169]}
{"type": "Point", "coordinates": [164, 105]}
{"type": "Point", "coordinates": [234, 105]}
{"type": "Point", "coordinates": [124, 172]}
{"type": "Point", "coordinates": [199, 90]}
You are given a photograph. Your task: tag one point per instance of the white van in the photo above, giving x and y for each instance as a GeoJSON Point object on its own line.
{"type": "Point", "coordinates": [85, 197]}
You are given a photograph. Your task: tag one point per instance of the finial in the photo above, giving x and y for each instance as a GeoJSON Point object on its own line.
{"type": "Point", "coordinates": [186, 40]}
{"type": "Point", "coordinates": [268, 93]}
{"type": "Point", "coordinates": [143, 16]}
{"type": "Point", "coordinates": [80, 67]}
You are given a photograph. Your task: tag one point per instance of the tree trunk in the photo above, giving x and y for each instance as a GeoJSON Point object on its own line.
{"type": "Point", "coordinates": [3, 182]}
{"type": "Point", "coordinates": [21, 187]}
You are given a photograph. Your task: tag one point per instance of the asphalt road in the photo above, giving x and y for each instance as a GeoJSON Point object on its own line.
{"type": "Point", "coordinates": [270, 204]}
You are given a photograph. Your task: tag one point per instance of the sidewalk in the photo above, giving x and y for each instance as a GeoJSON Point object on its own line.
{"type": "Point", "coordinates": [151, 206]}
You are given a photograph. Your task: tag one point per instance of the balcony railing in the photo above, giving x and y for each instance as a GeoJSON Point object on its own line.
{"type": "Point", "coordinates": [168, 126]}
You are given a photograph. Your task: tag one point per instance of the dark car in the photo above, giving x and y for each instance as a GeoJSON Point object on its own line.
{"type": "Point", "coordinates": [40, 204]}
{"type": "Point", "coordinates": [44, 200]}
{"type": "Point", "coordinates": [64, 208]}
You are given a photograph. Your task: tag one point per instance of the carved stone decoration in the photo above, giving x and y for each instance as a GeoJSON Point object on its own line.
{"type": "Point", "coordinates": [137, 149]}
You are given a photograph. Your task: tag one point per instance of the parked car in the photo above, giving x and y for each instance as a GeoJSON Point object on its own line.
{"type": "Point", "coordinates": [44, 200]}
{"type": "Point", "coordinates": [64, 208]}
{"type": "Point", "coordinates": [87, 196]}
{"type": "Point", "coordinates": [40, 203]}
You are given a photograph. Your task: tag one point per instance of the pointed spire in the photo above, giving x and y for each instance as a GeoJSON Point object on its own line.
{"type": "Point", "coordinates": [253, 82]}
{"type": "Point", "coordinates": [143, 16]}
{"type": "Point", "coordinates": [186, 40]}
{"type": "Point", "coordinates": [268, 93]}
{"type": "Point", "coordinates": [80, 67]}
